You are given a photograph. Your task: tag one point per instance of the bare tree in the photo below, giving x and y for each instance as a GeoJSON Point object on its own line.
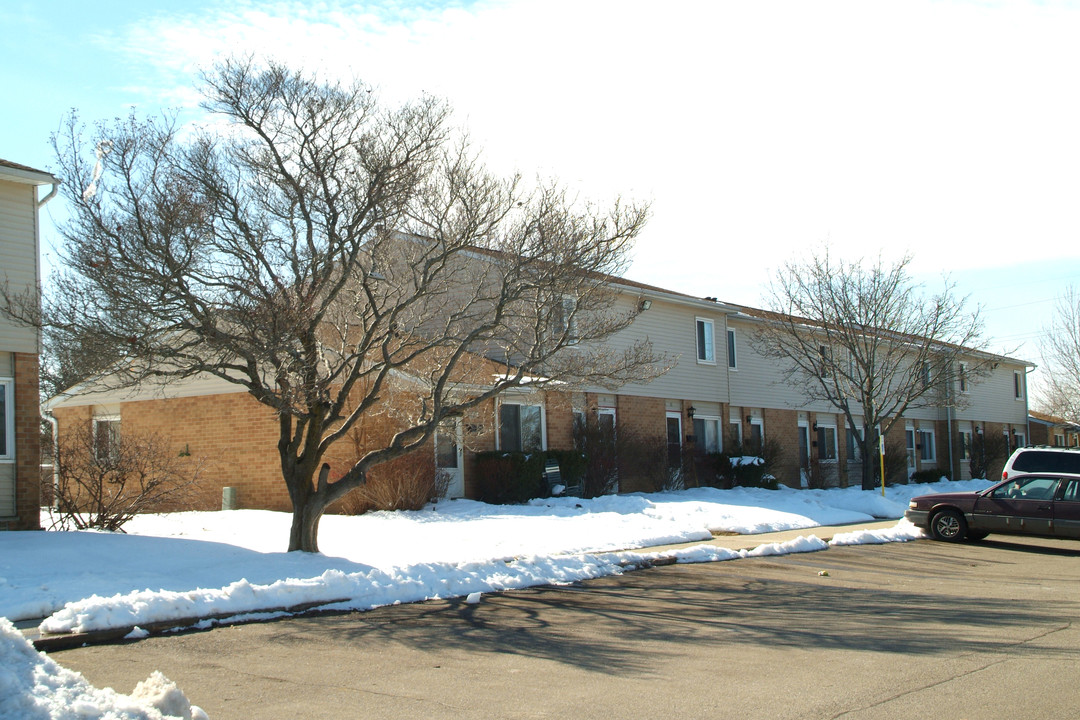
{"type": "Point", "coordinates": [864, 340]}
{"type": "Point", "coordinates": [312, 245]}
{"type": "Point", "coordinates": [1060, 394]}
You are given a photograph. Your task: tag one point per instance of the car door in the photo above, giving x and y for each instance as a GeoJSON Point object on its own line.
{"type": "Point", "coordinates": [1067, 511]}
{"type": "Point", "coordinates": [1023, 506]}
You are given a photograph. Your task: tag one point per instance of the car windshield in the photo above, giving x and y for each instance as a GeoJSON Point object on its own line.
{"type": "Point", "coordinates": [1028, 488]}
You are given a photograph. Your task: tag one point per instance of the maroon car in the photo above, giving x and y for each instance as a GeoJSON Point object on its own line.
{"type": "Point", "coordinates": [1043, 504]}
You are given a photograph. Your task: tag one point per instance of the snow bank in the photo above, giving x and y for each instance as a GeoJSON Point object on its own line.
{"type": "Point", "coordinates": [34, 687]}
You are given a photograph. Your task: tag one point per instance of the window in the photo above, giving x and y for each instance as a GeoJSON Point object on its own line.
{"type": "Point", "coordinates": [1059, 440]}
{"type": "Point", "coordinates": [521, 427]}
{"type": "Point", "coordinates": [707, 434]}
{"type": "Point", "coordinates": [1018, 385]}
{"type": "Point", "coordinates": [825, 360]}
{"type": "Point", "coordinates": [106, 437]}
{"type": "Point", "coordinates": [7, 419]}
{"type": "Point", "coordinates": [963, 377]}
{"type": "Point", "coordinates": [965, 445]}
{"type": "Point", "coordinates": [826, 442]}
{"type": "Point", "coordinates": [732, 358]}
{"type": "Point", "coordinates": [706, 352]}
{"type": "Point", "coordinates": [924, 373]}
{"type": "Point", "coordinates": [1019, 440]}
{"type": "Point", "coordinates": [926, 445]}
{"type": "Point", "coordinates": [565, 321]}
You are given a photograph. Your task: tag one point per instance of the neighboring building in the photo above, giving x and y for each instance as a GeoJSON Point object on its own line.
{"type": "Point", "coordinates": [1051, 430]}
{"type": "Point", "coordinates": [20, 473]}
{"type": "Point", "coordinates": [718, 393]}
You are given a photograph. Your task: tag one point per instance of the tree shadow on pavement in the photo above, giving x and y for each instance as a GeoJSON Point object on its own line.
{"type": "Point", "coordinates": [601, 625]}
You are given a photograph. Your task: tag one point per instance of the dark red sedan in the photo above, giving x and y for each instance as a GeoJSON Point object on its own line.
{"type": "Point", "coordinates": [1043, 504]}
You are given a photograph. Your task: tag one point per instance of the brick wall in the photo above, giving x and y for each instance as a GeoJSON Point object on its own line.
{"type": "Point", "coordinates": [641, 421]}
{"type": "Point", "coordinates": [27, 443]}
{"type": "Point", "coordinates": [783, 427]}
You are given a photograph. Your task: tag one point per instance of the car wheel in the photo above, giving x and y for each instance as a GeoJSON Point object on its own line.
{"type": "Point", "coordinates": [948, 525]}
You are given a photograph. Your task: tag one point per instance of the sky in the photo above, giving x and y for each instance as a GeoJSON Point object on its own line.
{"type": "Point", "coordinates": [759, 131]}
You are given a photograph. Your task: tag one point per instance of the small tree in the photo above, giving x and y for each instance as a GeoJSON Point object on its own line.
{"type": "Point", "coordinates": [1060, 394]}
{"type": "Point", "coordinates": [103, 482]}
{"type": "Point", "coordinates": [865, 341]}
{"type": "Point", "coordinates": [987, 450]}
{"type": "Point", "coordinates": [312, 247]}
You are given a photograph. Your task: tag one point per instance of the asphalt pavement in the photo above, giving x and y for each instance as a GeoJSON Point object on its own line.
{"type": "Point", "coordinates": [904, 630]}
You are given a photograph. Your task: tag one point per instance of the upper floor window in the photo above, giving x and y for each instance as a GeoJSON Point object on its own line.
{"type": "Point", "coordinates": [825, 360]}
{"type": "Point", "coordinates": [924, 373]}
{"type": "Point", "coordinates": [7, 419]}
{"type": "Point", "coordinates": [564, 321]}
{"type": "Point", "coordinates": [962, 373]}
{"type": "Point", "coordinates": [1018, 385]}
{"type": "Point", "coordinates": [732, 358]}
{"type": "Point", "coordinates": [706, 346]}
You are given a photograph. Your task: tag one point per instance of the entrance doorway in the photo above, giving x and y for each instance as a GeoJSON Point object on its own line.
{"type": "Point", "coordinates": [449, 457]}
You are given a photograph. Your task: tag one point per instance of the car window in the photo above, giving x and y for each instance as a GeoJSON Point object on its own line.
{"type": "Point", "coordinates": [1072, 491]}
{"type": "Point", "coordinates": [1043, 461]}
{"type": "Point", "coordinates": [1028, 488]}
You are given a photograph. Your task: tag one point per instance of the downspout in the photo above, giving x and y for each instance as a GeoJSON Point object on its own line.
{"type": "Point", "coordinates": [954, 471]}
{"type": "Point", "coordinates": [51, 419]}
{"type": "Point", "coordinates": [50, 196]}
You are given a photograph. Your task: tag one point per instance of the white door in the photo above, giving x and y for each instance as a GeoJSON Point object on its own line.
{"type": "Point", "coordinates": [909, 437]}
{"type": "Point", "coordinates": [449, 458]}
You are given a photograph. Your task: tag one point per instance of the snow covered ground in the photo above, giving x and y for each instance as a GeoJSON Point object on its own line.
{"type": "Point", "coordinates": [186, 568]}
{"type": "Point", "coordinates": [195, 565]}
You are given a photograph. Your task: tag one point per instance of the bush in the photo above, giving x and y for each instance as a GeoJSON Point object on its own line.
{"type": "Point", "coordinates": [747, 467]}
{"type": "Point", "coordinates": [574, 469]}
{"type": "Point", "coordinates": [599, 454]}
{"type": "Point", "coordinates": [986, 452]}
{"type": "Point", "coordinates": [510, 477]}
{"type": "Point", "coordinates": [409, 482]}
{"type": "Point", "coordinates": [929, 475]}
{"type": "Point", "coordinates": [103, 483]}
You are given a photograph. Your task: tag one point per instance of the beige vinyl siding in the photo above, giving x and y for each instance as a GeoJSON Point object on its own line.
{"type": "Point", "coordinates": [759, 381]}
{"type": "Point", "coordinates": [101, 395]}
{"type": "Point", "coordinates": [672, 329]}
{"type": "Point", "coordinates": [992, 398]}
{"type": "Point", "coordinates": [18, 256]}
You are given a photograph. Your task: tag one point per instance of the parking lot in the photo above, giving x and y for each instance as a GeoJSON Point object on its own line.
{"type": "Point", "coordinates": [895, 631]}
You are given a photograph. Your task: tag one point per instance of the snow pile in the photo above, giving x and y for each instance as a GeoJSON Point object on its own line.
{"type": "Point", "coordinates": [34, 687]}
{"type": "Point", "coordinates": [901, 532]}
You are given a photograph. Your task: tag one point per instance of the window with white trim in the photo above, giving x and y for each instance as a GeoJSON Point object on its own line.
{"type": "Point", "coordinates": [1059, 440]}
{"type": "Point", "coordinates": [927, 451]}
{"type": "Point", "coordinates": [735, 431]}
{"type": "Point", "coordinates": [565, 324]}
{"type": "Point", "coordinates": [106, 436]}
{"type": "Point", "coordinates": [757, 436]}
{"type": "Point", "coordinates": [826, 442]}
{"type": "Point", "coordinates": [1018, 385]}
{"type": "Point", "coordinates": [521, 427]}
{"type": "Point", "coordinates": [706, 345]}
{"type": "Point", "coordinates": [962, 373]}
{"type": "Point", "coordinates": [7, 419]}
{"type": "Point", "coordinates": [732, 357]}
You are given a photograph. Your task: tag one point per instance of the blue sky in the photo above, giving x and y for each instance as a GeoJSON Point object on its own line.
{"type": "Point", "coordinates": [758, 130]}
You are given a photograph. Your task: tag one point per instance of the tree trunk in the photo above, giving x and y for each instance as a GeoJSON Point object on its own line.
{"type": "Point", "coordinates": [871, 461]}
{"type": "Point", "coordinates": [304, 534]}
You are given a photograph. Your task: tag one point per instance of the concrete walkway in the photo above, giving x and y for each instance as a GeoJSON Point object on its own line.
{"type": "Point", "coordinates": [65, 641]}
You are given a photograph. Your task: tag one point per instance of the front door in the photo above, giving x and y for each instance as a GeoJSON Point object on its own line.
{"type": "Point", "coordinates": [909, 439]}
{"type": "Point", "coordinates": [448, 456]}
{"type": "Point", "coordinates": [674, 439]}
